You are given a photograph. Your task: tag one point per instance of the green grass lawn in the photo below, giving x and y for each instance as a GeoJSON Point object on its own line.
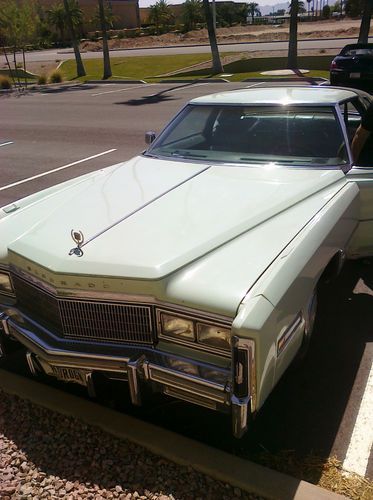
{"type": "Point", "coordinates": [155, 68]}
{"type": "Point", "coordinates": [134, 68]}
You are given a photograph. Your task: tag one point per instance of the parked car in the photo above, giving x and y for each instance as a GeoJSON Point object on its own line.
{"type": "Point", "coordinates": [192, 269]}
{"type": "Point", "coordinates": [353, 66]}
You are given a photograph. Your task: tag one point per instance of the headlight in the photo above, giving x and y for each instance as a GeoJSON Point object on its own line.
{"type": "Point", "coordinates": [193, 330]}
{"type": "Point", "coordinates": [214, 336]}
{"type": "Point", "coordinates": [177, 326]}
{"type": "Point", "coordinates": [5, 284]}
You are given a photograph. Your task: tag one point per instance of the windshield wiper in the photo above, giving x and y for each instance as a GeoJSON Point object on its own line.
{"type": "Point", "coordinates": [186, 154]}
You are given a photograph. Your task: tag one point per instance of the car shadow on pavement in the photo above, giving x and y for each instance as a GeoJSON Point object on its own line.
{"type": "Point", "coordinates": [161, 96]}
{"type": "Point", "coordinates": [149, 99]}
{"type": "Point", "coordinates": [44, 89]}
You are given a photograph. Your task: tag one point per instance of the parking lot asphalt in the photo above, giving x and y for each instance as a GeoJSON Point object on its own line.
{"type": "Point", "coordinates": [325, 408]}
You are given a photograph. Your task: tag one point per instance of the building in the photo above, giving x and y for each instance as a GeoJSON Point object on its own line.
{"type": "Point", "coordinates": [126, 12]}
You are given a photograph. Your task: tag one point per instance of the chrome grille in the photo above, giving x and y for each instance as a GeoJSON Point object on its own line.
{"type": "Point", "coordinates": [85, 320]}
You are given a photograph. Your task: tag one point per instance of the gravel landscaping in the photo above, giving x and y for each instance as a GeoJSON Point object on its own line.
{"type": "Point", "coordinates": [47, 455]}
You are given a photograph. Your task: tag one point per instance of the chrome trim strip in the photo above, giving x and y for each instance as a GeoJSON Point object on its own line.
{"type": "Point", "coordinates": [239, 416]}
{"type": "Point", "coordinates": [133, 366]}
{"type": "Point", "coordinates": [30, 363]}
{"type": "Point", "coordinates": [288, 334]}
{"type": "Point", "coordinates": [7, 294]}
{"type": "Point", "coordinates": [4, 323]}
{"type": "Point", "coordinates": [243, 407]}
{"type": "Point", "coordinates": [249, 346]}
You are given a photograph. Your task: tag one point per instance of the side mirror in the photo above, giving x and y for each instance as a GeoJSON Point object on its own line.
{"type": "Point", "coordinates": [150, 136]}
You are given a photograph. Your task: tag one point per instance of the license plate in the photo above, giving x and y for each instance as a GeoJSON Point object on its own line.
{"type": "Point", "coordinates": [355, 75]}
{"type": "Point", "coordinates": [69, 375]}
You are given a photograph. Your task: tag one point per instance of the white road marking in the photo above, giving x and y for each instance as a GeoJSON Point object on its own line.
{"type": "Point", "coordinates": [254, 85]}
{"type": "Point", "coordinates": [123, 90]}
{"type": "Point", "coordinates": [6, 143]}
{"type": "Point", "coordinates": [55, 170]}
{"type": "Point", "coordinates": [361, 442]}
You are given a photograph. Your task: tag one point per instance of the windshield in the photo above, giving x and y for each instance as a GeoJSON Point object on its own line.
{"type": "Point", "coordinates": [359, 51]}
{"type": "Point", "coordinates": [286, 135]}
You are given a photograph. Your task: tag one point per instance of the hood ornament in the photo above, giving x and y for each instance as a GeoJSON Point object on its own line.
{"type": "Point", "coordinates": [78, 238]}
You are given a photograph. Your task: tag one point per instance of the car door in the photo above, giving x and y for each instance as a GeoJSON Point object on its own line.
{"type": "Point", "coordinates": [361, 243]}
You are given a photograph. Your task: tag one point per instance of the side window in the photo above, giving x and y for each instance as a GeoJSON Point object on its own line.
{"type": "Point", "coordinates": [351, 112]}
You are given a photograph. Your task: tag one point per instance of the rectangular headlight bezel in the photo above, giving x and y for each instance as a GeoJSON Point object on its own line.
{"type": "Point", "coordinates": [196, 321]}
{"type": "Point", "coordinates": [9, 291]}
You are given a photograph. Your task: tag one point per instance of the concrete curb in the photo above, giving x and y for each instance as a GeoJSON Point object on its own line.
{"type": "Point", "coordinates": [221, 44]}
{"type": "Point", "coordinates": [305, 79]}
{"type": "Point", "coordinates": [197, 80]}
{"type": "Point", "coordinates": [217, 464]}
{"type": "Point", "coordinates": [102, 82]}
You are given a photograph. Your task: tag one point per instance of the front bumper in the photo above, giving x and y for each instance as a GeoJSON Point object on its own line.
{"type": "Point", "coordinates": [183, 378]}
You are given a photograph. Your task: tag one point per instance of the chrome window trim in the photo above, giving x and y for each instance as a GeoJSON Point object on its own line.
{"type": "Point", "coordinates": [333, 105]}
{"type": "Point", "coordinates": [345, 135]}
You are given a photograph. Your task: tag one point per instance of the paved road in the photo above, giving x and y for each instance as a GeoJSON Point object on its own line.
{"type": "Point", "coordinates": [47, 137]}
{"type": "Point", "coordinates": [62, 55]}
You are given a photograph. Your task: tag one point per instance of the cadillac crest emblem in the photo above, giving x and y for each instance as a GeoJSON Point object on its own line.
{"type": "Point", "coordinates": [78, 238]}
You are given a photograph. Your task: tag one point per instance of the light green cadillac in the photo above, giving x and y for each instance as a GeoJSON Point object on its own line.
{"type": "Point", "coordinates": [192, 269]}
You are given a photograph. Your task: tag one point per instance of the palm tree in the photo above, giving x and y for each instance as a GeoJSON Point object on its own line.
{"type": "Point", "coordinates": [253, 9]}
{"type": "Point", "coordinates": [57, 17]}
{"type": "Point", "coordinates": [80, 71]}
{"type": "Point", "coordinates": [365, 21]}
{"type": "Point", "coordinates": [105, 46]}
{"type": "Point", "coordinates": [216, 63]}
{"type": "Point", "coordinates": [160, 15]}
{"type": "Point", "coordinates": [293, 35]}
{"type": "Point", "coordinates": [192, 14]}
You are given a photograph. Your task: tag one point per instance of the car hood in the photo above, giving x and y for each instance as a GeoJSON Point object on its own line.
{"type": "Point", "coordinates": [148, 219]}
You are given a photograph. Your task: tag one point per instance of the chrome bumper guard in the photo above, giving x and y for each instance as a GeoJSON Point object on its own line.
{"type": "Point", "coordinates": [182, 378]}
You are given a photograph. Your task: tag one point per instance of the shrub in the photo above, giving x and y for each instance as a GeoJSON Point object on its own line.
{"type": "Point", "coordinates": [55, 76]}
{"type": "Point", "coordinates": [42, 79]}
{"type": "Point", "coordinates": [5, 83]}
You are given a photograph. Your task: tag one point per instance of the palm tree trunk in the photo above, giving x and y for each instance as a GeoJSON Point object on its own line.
{"type": "Point", "coordinates": [80, 71]}
{"type": "Point", "coordinates": [105, 46]}
{"type": "Point", "coordinates": [293, 35]}
{"type": "Point", "coordinates": [24, 65]}
{"type": "Point", "coordinates": [365, 22]}
{"type": "Point", "coordinates": [15, 66]}
{"type": "Point", "coordinates": [216, 63]}
{"type": "Point", "coordinates": [12, 76]}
